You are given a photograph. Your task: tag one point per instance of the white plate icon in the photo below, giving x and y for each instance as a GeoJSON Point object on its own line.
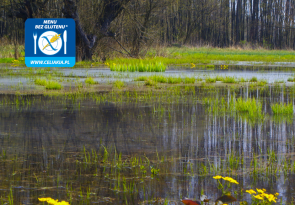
{"type": "Point", "coordinates": [48, 47]}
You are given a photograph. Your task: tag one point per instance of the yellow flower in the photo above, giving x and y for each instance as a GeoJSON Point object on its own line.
{"type": "Point", "coordinates": [251, 191]}
{"type": "Point", "coordinates": [261, 191]}
{"type": "Point", "coordinates": [258, 197]}
{"type": "Point", "coordinates": [217, 177]}
{"type": "Point", "coordinates": [277, 194]}
{"type": "Point", "coordinates": [53, 202]}
{"type": "Point", "coordinates": [231, 180]}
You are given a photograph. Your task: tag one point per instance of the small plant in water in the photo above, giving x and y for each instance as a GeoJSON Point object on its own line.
{"type": "Point", "coordinates": [210, 80]}
{"type": "Point", "coordinates": [229, 79]}
{"type": "Point", "coordinates": [53, 85]}
{"type": "Point", "coordinates": [154, 171]}
{"type": "Point", "coordinates": [119, 84]}
{"type": "Point", "coordinates": [90, 81]}
{"type": "Point", "coordinates": [49, 84]}
{"type": "Point", "coordinates": [253, 79]}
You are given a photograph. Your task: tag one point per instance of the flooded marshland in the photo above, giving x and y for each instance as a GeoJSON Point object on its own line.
{"type": "Point", "coordinates": [147, 146]}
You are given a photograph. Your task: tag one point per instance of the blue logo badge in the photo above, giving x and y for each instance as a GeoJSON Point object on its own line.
{"type": "Point", "coordinates": [50, 43]}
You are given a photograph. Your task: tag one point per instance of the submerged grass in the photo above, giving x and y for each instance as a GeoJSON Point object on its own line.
{"type": "Point", "coordinates": [282, 108]}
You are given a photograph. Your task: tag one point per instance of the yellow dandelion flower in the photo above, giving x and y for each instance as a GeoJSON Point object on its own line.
{"type": "Point", "coordinates": [258, 197]}
{"type": "Point", "coordinates": [217, 177]}
{"type": "Point", "coordinates": [231, 180]}
{"type": "Point", "coordinates": [251, 191]}
{"type": "Point", "coordinates": [261, 191]}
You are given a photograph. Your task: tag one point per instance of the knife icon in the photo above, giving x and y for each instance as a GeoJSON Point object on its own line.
{"type": "Point", "coordinates": [65, 42]}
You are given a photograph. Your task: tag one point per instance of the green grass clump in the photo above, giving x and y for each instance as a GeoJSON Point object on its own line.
{"type": "Point", "coordinates": [141, 78]}
{"type": "Point", "coordinates": [159, 78]}
{"type": "Point", "coordinates": [138, 67]}
{"type": "Point", "coordinates": [49, 84]}
{"type": "Point", "coordinates": [250, 109]}
{"type": "Point", "coordinates": [150, 82]}
{"type": "Point", "coordinates": [249, 105]}
{"type": "Point", "coordinates": [243, 80]}
{"type": "Point", "coordinates": [174, 80]}
{"type": "Point", "coordinates": [40, 81]}
{"type": "Point", "coordinates": [199, 79]}
{"type": "Point", "coordinates": [261, 82]}
{"type": "Point", "coordinates": [219, 78]}
{"type": "Point", "coordinates": [189, 80]}
{"type": "Point", "coordinates": [53, 85]}
{"type": "Point", "coordinates": [119, 84]}
{"type": "Point", "coordinates": [229, 80]}
{"type": "Point", "coordinates": [165, 79]}
{"type": "Point", "coordinates": [90, 81]}
{"type": "Point", "coordinates": [282, 108]}
{"type": "Point", "coordinates": [253, 79]}
{"type": "Point", "coordinates": [210, 80]}
{"type": "Point", "coordinates": [292, 79]}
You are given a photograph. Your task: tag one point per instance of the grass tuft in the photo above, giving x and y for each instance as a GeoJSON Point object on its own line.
{"type": "Point", "coordinates": [189, 80]}
{"type": "Point", "coordinates": [229, 80]}
{"type": "Point", "coordinates": [119, 84]}
{"type": "Point", "coordinates": [53, 85]}
{"type": "Point", "coordinates": [49, 84]}
{"type": "Point", "coordinates": [210, 80]}
{"type": "Point", "coordinates": [137, 67]}
{"type": "Point", "coordinates": [253, 79]}
{"type": "Point", "coordinates": [90, 81]}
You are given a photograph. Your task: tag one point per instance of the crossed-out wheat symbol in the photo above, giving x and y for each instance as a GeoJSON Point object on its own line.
{"type": "Point", "coordinates": [52, 40]}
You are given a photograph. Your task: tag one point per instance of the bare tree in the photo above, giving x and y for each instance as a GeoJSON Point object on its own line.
{"type": "Point", "coordinates": [87, 42]}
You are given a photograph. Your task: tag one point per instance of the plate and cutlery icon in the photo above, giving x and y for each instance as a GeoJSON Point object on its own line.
{"type": "Point", "coordinates": [53, 39]}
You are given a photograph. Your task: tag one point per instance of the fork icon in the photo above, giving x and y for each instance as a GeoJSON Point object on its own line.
{"type": "Point", "coordinates": [35, 38]}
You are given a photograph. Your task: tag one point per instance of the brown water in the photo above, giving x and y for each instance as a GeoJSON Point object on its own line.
{"type": "Point", "coordinates": [54, 146]}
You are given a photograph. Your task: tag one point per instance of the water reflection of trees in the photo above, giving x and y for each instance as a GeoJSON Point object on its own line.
{"type": "Point", "coordinates": [50, 132]}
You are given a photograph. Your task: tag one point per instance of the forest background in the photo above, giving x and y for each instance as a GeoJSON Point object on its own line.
{"type": "Point", "coordinates": [130, 28]}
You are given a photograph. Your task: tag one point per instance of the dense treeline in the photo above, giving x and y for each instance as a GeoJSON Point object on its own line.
{"type": "Point", "coordinates": [136, 24]}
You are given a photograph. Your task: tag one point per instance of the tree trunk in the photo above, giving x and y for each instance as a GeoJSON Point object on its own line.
{"type": "Point", "coordinates": [86, 43]}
